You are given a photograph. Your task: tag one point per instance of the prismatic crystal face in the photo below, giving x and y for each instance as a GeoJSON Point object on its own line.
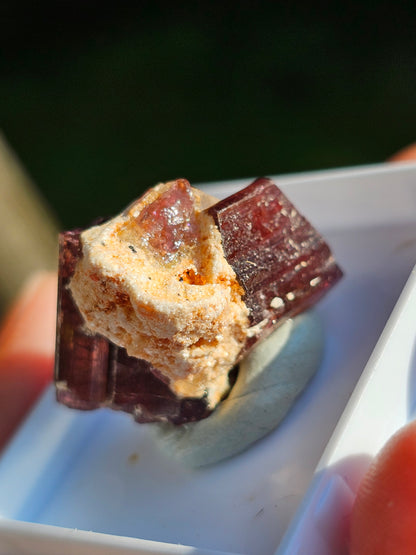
{"type": "Point", "coordinates": [80, 358]}
{"type": "Point", "coordinates": [282, 262]}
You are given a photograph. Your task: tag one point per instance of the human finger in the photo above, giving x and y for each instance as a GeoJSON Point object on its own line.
{"type": "Point", "coordinates": [407, 153]}
{"type": "Point", "coordinates": [27, 344]}
{"type": "Point", "coordinates": [383, 518]}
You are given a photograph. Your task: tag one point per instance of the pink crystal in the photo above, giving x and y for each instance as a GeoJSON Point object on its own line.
{"type": "Point", "coordinates": [80, 358]}
{"type": "Point", "coordinates": [168, 223]}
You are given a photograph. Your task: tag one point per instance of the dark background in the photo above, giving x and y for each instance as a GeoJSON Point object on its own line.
{"type": "Point", "coordinates": [100, 103]}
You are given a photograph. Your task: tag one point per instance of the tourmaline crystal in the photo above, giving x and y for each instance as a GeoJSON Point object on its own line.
{"type": "Point", "coordinates": [169, 222]}
{"type": "Point", "coordinates": [80, 358]}
{"type": "Point", "coordinates": [282, 262]}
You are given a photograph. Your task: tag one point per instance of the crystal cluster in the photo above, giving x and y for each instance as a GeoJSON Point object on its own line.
{"type": "Point", "coordinates": [281, 262]}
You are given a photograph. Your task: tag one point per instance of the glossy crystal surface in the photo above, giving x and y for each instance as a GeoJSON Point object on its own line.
{"type": "Point", "coordinates": [168, 223]}
{"type": "Point", "coordinates": [280, 259]}
{"type": "Point", "coordinates": [80, 358]}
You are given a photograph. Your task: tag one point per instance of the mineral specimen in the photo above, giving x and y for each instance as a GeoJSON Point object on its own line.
{"type": "Point", "coordinates": [158, 305]}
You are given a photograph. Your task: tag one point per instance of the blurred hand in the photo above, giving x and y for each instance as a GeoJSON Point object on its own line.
{"type": "Point", "coordinates": [383, 516]}
{"type": "Point", "coordinates": [406, 154]}
{"type": "Point", "coordinates": [27, 345]}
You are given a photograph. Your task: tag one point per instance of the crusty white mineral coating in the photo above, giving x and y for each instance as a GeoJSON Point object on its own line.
{"type": "Point", "coordinates": [270, 379]}
{"type": "Point", "coordinates": [185, 316]}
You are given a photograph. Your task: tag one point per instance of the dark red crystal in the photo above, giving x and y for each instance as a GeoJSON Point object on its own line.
{"type": "Point", "coordinates": [282, 262]}
{"type": "Point", "coordinates": [80, 358]}
{"type": "Point", "coordinates": [134, 387]}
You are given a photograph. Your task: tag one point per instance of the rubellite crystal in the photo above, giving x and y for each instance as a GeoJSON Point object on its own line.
{"type": "Point", "coordinates": [282, 262]}
{"type": "Point", "coordinates": [80, 358]}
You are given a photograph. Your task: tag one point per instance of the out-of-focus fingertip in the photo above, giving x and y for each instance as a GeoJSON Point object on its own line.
{"type": "Point", "coordinates": [27, 346]}
{"type": "Point", "coordinates": [406, 154]}
{"type": "Point", "coordinates": [29, 326]}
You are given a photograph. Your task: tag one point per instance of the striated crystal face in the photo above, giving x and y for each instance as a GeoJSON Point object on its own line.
{"type": "Point", "coordinates": [282, 262]}
{"type": "Point", "coordinates": [168, 223]}
{"type": "Point", "coordinates": [80, 358]}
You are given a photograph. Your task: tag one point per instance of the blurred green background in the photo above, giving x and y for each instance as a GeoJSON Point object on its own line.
{"type": "Point", "coordinates": [100, 103]}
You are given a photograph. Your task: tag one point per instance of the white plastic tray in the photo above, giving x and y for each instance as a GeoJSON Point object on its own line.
{"type": "Point", "coordinates": [97, 481]}
{"type": "Point", "coordinates": [382, 402]}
